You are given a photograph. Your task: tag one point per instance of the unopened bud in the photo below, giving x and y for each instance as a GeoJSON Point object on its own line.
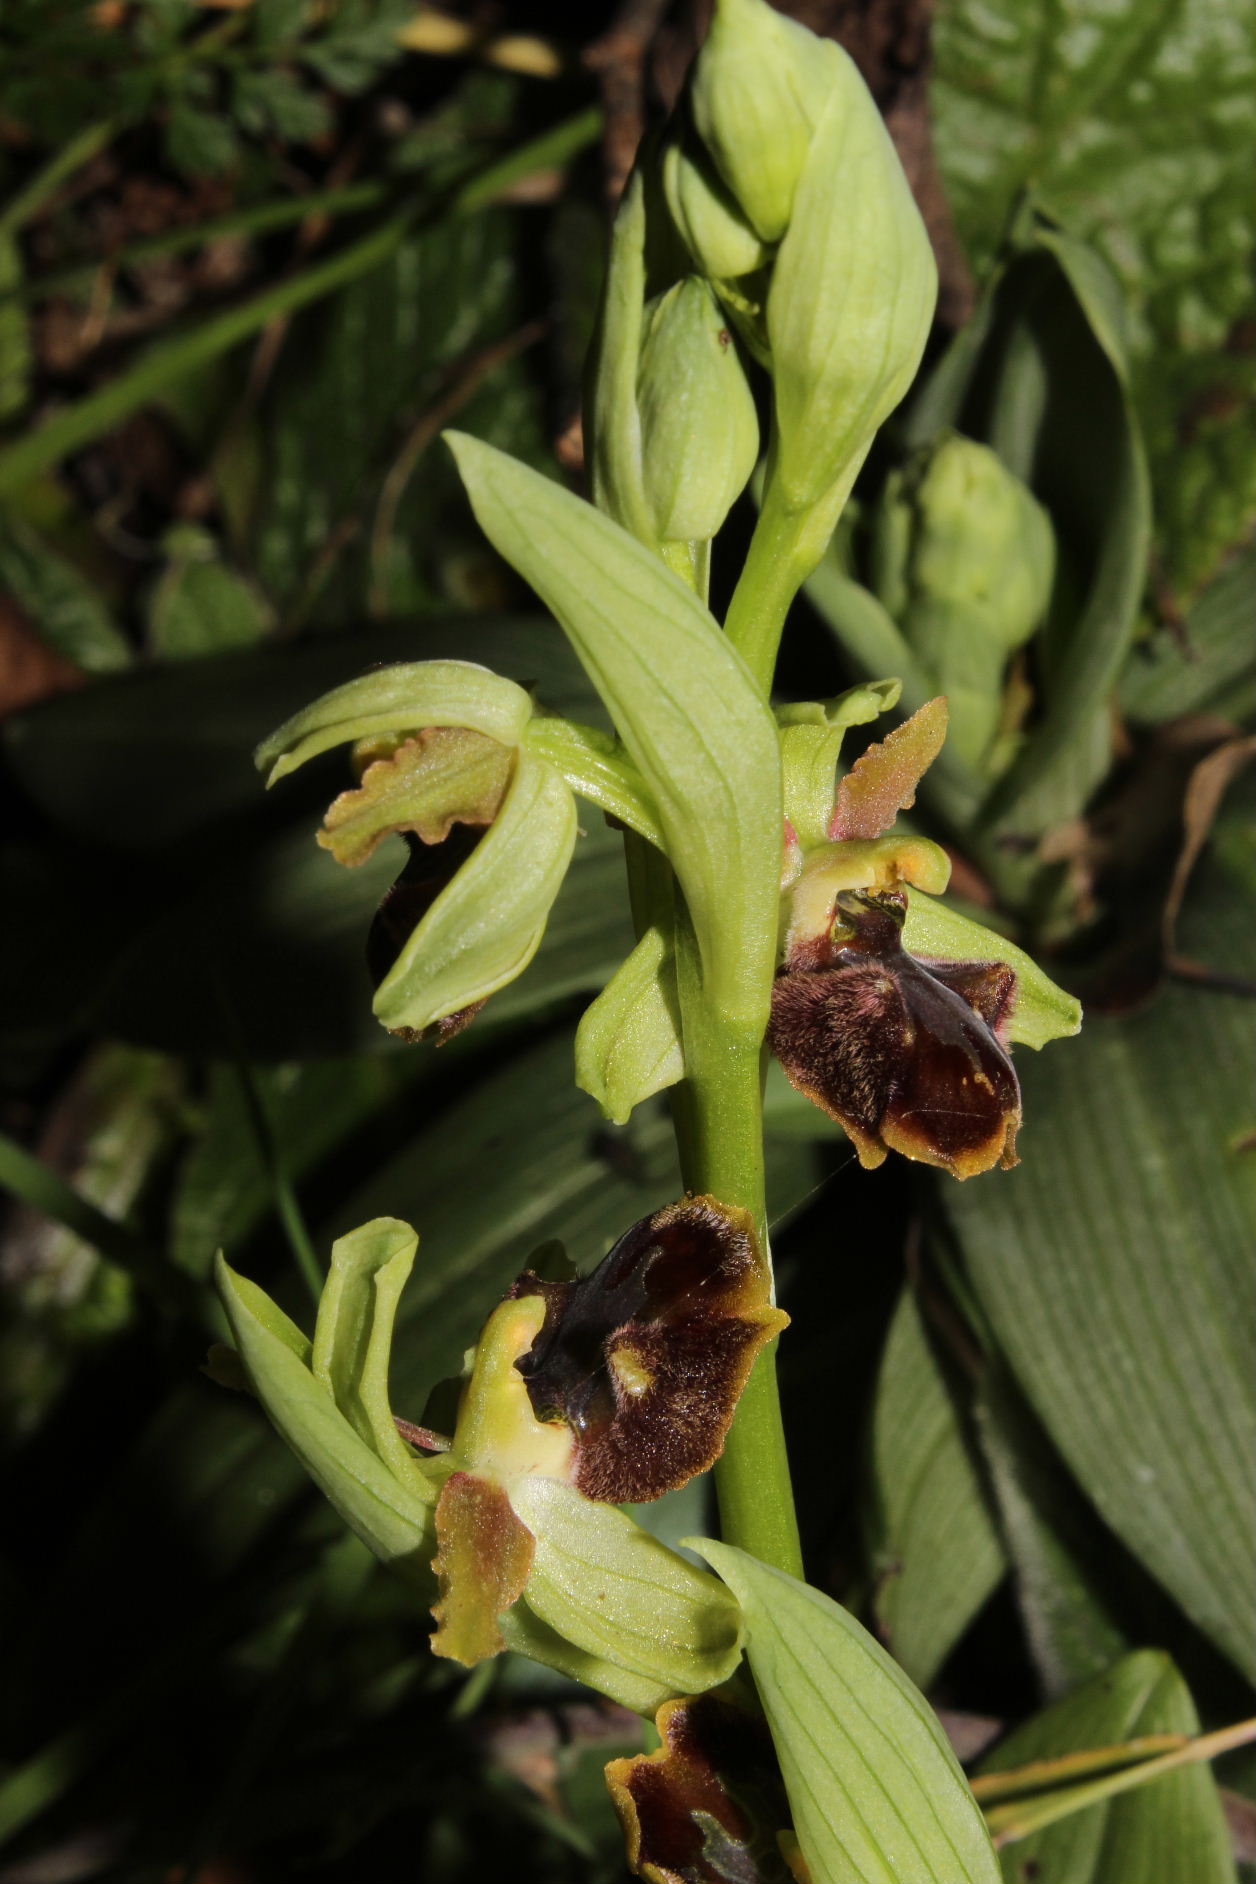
{"type": "Point", "coordinates": [852, 296]}
{"type": "Point", "coordinates": [717, 235]}
{"type": "Point", "coordinates": [699, 429]}
{"type": "Point", "coordinates": [760, 87]}
{"type": "Point", "coordinates": [964, 558]}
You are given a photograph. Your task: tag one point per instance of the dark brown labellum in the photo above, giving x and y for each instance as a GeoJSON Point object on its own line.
{"type": "Point", "coordinates": [904, 1054]}
{"type": "Point", "coordinates": [709, 1806]}
{"type": "Point", "coordinates": [645, 1358]}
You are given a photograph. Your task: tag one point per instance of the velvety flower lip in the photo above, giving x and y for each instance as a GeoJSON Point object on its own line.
{"type": "Point", "coordinates": [904, 1054]}
{"type": "Point", "coordinates": [645, 1358]}
{"type": "Point", "coordinates": [708, 1807]}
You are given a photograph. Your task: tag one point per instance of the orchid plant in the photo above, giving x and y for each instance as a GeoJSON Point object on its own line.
{"type": "Point", "coordinates": [781, 907]}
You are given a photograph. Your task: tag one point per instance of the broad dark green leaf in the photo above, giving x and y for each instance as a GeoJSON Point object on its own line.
{"type": "Point", "coordinates": [1137, 129]}
{"type": "Point", "coordinates": [1170, 1828]}
{"type": "Point", "coordinates": [1056, 1546]}
{"type": "Point", "coordinates": [936, 1553]}
{"type": "Point", "coordinates": [1113, 1267]}
{"type": "Point", "coordinates": [877, 1794]}
{"type": "Point", "coordinates": [1208, 667]}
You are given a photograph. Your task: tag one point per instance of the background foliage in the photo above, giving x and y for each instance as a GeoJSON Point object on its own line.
{"type": "Point", "coordinates": [251, 261]}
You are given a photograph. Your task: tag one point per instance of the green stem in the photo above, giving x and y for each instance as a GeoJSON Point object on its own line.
{"type": "Point", "coordinates": [774, 571]}
{"type": "Point", "coordinates": [719, 1132]}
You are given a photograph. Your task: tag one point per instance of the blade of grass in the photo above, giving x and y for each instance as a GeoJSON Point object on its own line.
{"type": "Point", "coordinates": [45, 1190]}
{"type": "Point", "coordinates": [76, 425]}
{"type": "Point", "coordinates": [31, 198]}
{"type": "Point", "coordinates": [1018, 1818]}
{"type": "Point", "coordinates": [1038, 1775]}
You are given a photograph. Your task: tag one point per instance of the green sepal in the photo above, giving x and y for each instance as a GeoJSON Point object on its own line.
{"type": "Point", "coordinates": [1042, 1011]}
{"type": "Point", "coordinates": [487, 923]}
{"type": "Point", "coordinates": [628, 1043]}
{"type": "Point", "coordinates": [693, 722]}
{"type": "Point", "coordinates": [624, 1599]}
{"type": "Point", "coordinates": [391, 1517]}
{"type": "Point", "coordinates": [399, 699]}
{"type": "Point", "coordinates": [876, 1792]}
{"type": "Point", "coordinates": [811, 743]}
{"type": "Point", "coordinates": [353, 1335]}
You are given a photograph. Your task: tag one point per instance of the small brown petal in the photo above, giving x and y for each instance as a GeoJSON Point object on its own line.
{"type": "Point", "coordinates": [483, 1557]}
{"type": "Point", "coordinates": [445, 775]}
{"type": "Point", "coordinates": [883, 782]}
{"type": "Point", "coordinates": [645, 1359]}
{"type": "Point", "coordinates": [709, 1806]}
{"type": "Point", "coordinates": [903, 1054]}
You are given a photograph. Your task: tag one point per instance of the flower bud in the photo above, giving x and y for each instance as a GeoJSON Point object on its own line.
{"type": "Point", "coordinates": [717, 235]}
{"type": "Point", "coordinates": [760, 87]}
{"type": "Point", "coordinates": [852, 296]}
{"type": "Point", "coordinates": [699, 429]}
{"type": "Point", "coordinates": [964, 559]}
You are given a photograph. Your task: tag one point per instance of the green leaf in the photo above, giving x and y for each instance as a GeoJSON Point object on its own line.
{"type": "Point", "coordinates": [1137, 133]}
{"type": "Point", "coordinates": [392, 1518]}
{"type": "Point", "coordinates": [199, 606]}
{"type": "Point", "coordinates": [935, 1550]}
{"type": "Point", "coordinates": [684, 703]}
{"type": "Point", "coordinates": [200, 143]}
{"type": "Point", "coordinates": [622, 1597]}
{"type": "Point", "coordinates": [1171, 1827]}
{"type": "Point", "coordinates": [628, 1042]}
{"type": "Point", "coordinates": [876, 1792]}
{"type": "Point", "coordinates": [1113, 1268]}
{"type": "Point", "coordinates": [1058, 1549]}
{"type": "Point", "coordinates": [487, 923]}
{"type": "Point", "coordinates": [399, 699]}
{"type": "Point", "coordinates": [66, 609]}
{"type": "Point", "coordinates": [353, 1336]}
{"type": "Point", "coordinates": [1041, 1012]}
{"type": "Point", "coordinates": [1206, 667]}
{"type": "Point", "coordinates": [16, 354]}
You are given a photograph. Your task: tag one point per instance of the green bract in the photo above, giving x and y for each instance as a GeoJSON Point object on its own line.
{"type": "Point", "coordinates": [699, 429]}
{"type": "Point", "coordinates": [399, 700]}
{"type": "Point", "coordinates": [877, 1794]}
{"type": "Point", "coordinates": [487, 923]}
{"type": "Point", "coordinates": [628, 1042]}
{"type": "Point", "coordinates": [689, 715]}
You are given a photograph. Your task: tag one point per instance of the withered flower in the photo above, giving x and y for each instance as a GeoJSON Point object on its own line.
{"type": "Point", "coordinates": [709, 1806]}
{"type": "Point", "coordinates": [907, 1055]}
{"type": "Point", "coordinates": [645, 1358]}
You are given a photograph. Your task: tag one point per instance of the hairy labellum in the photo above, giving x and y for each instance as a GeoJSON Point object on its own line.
{"type": "Point", "coordinates": [709, 1806]}
{"type": "Point", "coordinates": [904, 1054]}
{"type": "Point", "coordinates": [645, 1358]}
